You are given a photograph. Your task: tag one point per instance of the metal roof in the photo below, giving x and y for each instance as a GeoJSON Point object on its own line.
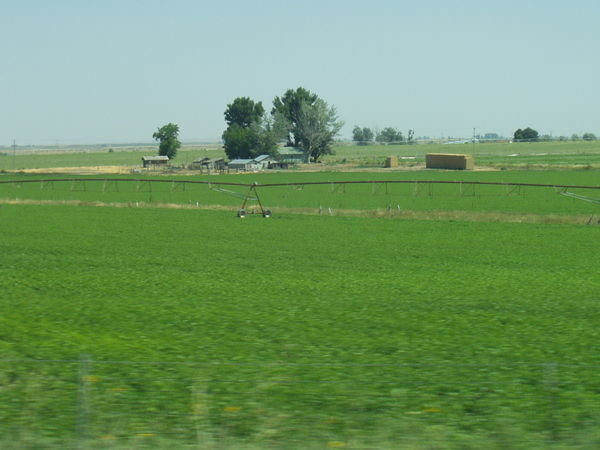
{"type": "Point", "coordinates": [289, 151]}
{"type": "Point", "coordinates": [155, 158]}
{"type": "Point", "coordinates": [207, 160]}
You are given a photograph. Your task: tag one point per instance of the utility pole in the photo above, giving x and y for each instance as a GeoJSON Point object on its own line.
{"type": "Point", "coordinates": [14, 149]}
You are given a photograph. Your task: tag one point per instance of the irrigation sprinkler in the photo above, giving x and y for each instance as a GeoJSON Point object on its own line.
{"type": "Point", "coordinates": [251, 195]}
{"type": "Point", "coordinates": [420, 187]}
{"type": "Point", "coordinates": [580, 197]}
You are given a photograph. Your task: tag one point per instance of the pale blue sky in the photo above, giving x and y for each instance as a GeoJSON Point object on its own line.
{"type": "Point", "coordinates": [114, 70]}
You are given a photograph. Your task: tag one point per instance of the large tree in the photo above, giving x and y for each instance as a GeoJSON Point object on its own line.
{"type": "Point", "coordinates": [244, 112]}
{"type": "Point", "coordinates": [588, 137]}
{"type": "Point", "coordinates": [528, 134]}
{"type": "Point", "coordinates": [316, 128]}
{"type": "Point", "coordinates": [286, 112]}
{"type": "Point", "coordinates": [248, 132]}
{"type": "Point", "coordinates": [167, 137]}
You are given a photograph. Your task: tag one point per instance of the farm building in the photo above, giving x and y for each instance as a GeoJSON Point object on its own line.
{"type": "Point", "coordinates": [449, 161]}
{"type": "Point", "coordinates": [291, 155]}
{"type": "Point", "coordinates": [288, 156]}
{"type": "Point", "coordinates": [154, 161]}
{"type": "Point", "coordinates": [261, 162]}
{"type": "Point", "coordinates": [242, 164]}
{"type": "Point", "coordinates": [208, 164]}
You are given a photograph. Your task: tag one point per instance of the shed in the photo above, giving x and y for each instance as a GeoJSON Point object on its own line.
{"type": "Point", "coordinates": [263, 161]}
{"type": "Point", "coordinates": [288, 156]}
{"type": "Point", "coordinates": [449, 161]}
{"type": "Point", "coordinates": [208, 164]}
{"type": "Point", "coordinates": [291, 155]}
{"type": "Point", "coordinates": [199, 163]}
{"type": "Point", "coordinates": [242, 164]}
{"type": "Point", "coordinates": [154, 161]}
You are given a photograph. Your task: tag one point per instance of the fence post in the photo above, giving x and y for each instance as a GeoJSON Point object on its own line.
{"type": "Point", "coordinates": [83, 405]}
{"type": "Point", "coordinates": [551, 382]}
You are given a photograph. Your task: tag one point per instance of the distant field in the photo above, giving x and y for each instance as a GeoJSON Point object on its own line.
{"type": "Point", "coordinates": [504, 155]}
{"type": "Point", "coordinates": [149, 327]}
{"type": "Point", "coordinates": [511, 155]}
{"type": "Point", "coordinates": [93, 157]}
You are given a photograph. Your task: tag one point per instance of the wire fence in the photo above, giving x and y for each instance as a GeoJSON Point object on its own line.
{"type": "Point", "coordinates": [90, 403]}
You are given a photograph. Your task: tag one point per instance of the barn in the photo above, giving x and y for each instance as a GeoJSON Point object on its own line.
{"type": "Point", "coordinates": [261, 162]}
{"type": "Point", "coordinates": [208, 164]}
{"type": "Point", "coordinates": [154, 161]}
{"type": "Point", "coordinates": [242, 164]}
{"type": "Point", "coordinates": [291, 155]}
{"type": "Point", "coordinates": [288, 156]}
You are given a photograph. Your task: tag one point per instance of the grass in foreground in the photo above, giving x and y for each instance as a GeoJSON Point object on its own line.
{"type": "Point", "coordinates": [196, 328]}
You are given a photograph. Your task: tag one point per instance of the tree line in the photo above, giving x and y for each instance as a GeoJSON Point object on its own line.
{"type": "Point", "coordinates": [299, 118]}
{"type": "Point", "coordinates": [302, 120]}
{"type": "Point", "coordinates": [389, 135]}
{"type": "Point", "coordinates": [530, 135]}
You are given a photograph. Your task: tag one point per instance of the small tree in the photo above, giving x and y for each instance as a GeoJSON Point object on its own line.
{"type": "Point", "coordinates": [588, 137]}
{"type": "Point", "coordinates": [357, 134]}
{"type": "Point", "coordinates": [362, 136]}
{"type": "Point", "coordinates": [167, 136]}
{"type": "Point", "coordinates": [389, 135]}
{"type": "Point", "coordinates": [368, 135]}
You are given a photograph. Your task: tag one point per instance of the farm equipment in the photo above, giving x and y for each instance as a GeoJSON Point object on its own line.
{"type": "Point", "coordinates": [251, 195]}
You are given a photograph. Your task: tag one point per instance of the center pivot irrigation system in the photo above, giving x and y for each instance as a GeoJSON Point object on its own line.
{"type": "Point", "coordinates": [252, 193]}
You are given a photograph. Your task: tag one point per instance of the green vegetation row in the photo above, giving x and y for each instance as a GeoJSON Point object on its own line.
{"type": "Point", "coordinates": [192, 327]}
{"type": "Point", "coordinates": [414, 195]}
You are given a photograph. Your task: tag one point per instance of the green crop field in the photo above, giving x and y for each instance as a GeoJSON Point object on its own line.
{"type": "Point", "coordinates": [411, 191]}
{"type": "Point", "coordinates": [144, 314]}
{"type": "Point", "coordinates": [188, 327]}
